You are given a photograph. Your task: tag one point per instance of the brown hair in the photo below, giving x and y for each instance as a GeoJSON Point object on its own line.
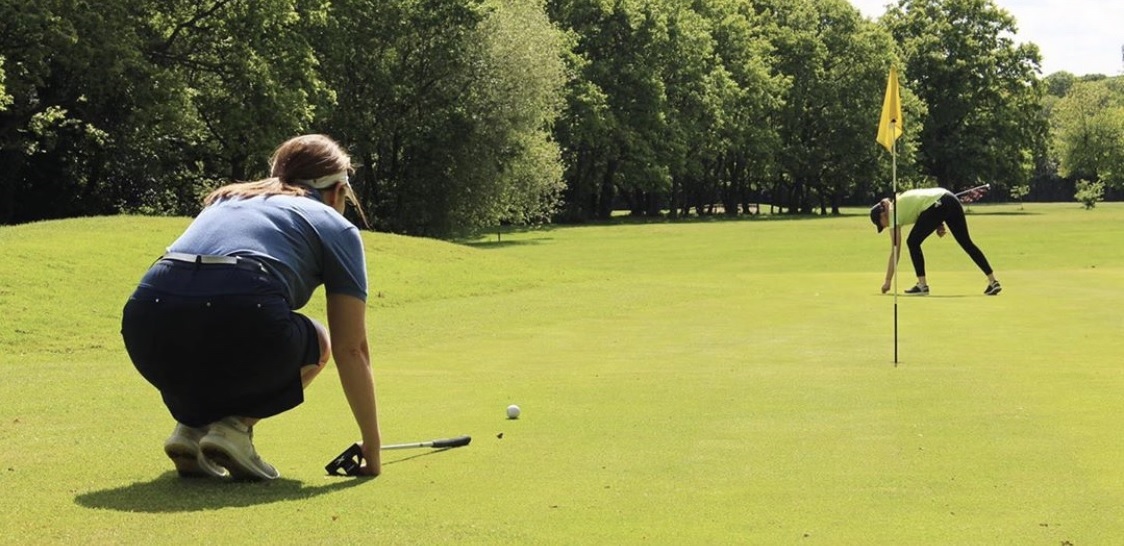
{"type": "Point", "coordinates": [293, 165]}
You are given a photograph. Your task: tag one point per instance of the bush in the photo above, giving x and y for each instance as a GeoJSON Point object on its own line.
{"type": "Point", "coordinates": [1018, 193]}
{"type": "Point", "coordinates": [1089, 193]}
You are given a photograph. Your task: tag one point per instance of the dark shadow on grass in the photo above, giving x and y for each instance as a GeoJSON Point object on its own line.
{"type": "Point", "coordinates": [502, 244]}
{"type": "Point", "coordinates": [977, 212]}
{"type": "Point", "coordinates": [940, 296]}
{"type": "Point", "coordinates": [170, 493]}
{"type": "Point", "coordinates": [423, 454]}
{"type": "Point", "coordinates": [494, 238]}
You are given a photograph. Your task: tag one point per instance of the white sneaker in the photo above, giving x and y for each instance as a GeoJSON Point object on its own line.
{"type": "Point", "coordinates": [182, 447]}
{"type": "Point", "coordinates": [918, 290]}
{"type": "Point", "coordinates": [230, 443]}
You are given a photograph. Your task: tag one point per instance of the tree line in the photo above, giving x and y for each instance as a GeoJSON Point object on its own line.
{"type": "Point", "coordinates": [466, 114]}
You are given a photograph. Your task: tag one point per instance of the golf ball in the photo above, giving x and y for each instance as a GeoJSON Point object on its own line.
{"type": "Point", "coordinates": [513, 412]}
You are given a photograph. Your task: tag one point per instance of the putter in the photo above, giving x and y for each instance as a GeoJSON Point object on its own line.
{"type": "Point", "coordinates": [349, 462]}
{"type": "Point", "coordinates": [970, 195]}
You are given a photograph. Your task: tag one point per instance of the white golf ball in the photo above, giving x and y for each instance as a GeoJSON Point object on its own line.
{"type": "Point", "coordinates": [513, 412]}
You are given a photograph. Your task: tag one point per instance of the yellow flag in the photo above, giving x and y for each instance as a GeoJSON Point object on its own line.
{"type": "Point", "coordinates": [890, 125]}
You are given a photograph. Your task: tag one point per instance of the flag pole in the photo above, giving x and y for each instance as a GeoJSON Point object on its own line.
{"type": "Point", "coordinates": [894, 231]}
{"type": "Point", "coordinates": [889, 129]}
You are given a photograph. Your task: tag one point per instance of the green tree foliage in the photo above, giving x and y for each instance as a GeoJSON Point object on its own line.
{"type": "Point", "coordinates": [5, 99]}
{"type": "Point", "coordinates": [670, 108]}
{"type": "Point", "coordinates": [466, 114]}
{"type": "Point", "coordinates": [744, 157]}
{"type": "Point", "coordinates": [1089, 193]}
{"type": "Point", "coordinates": [247, 67]}
{"type": "Point", "coordinates": [63, 92]}
{"type": "Point", "coordinates": [142, 105]}
{"type": "Point", "coordinates": [1018, 193]}
{"type": "Point", "coordinates": [1058, 84]}
{"type": "Point", "coordinates": [984, 118]}
{"type": "Point", "coordinates": [837, 63]}
{"type": "Point", "coordinates": [1088, 128]}
{"type": "Point", "coordinates": [696, 87]}
{"type": "Point", "coordinates": [454, 100]}
{"type": "Point", "coordinates": [521, 73]}
{"type": "Point", "coordinates": [400, 80]}
{"type": "Point", "coordinates": [615, 121]}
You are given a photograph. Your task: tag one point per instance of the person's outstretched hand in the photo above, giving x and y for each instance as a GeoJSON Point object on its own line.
{"type": "Point", "coordinates": [372, 462]}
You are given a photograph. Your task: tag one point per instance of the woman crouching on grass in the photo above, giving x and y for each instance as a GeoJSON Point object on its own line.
{"type": "Point", "coordinates": [213, 323]}
{"type": "Point", "coordinates": [929, 210]}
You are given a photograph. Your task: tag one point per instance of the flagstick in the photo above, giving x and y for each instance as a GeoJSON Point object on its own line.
{"type": "Point", "coordinates": [894, 233]}
{"type": "Point", "coordinates": [889, 120]}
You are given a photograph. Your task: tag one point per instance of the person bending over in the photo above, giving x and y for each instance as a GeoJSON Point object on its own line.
{"type": "Point", "coordinates": [213, 322]}
{"type": "Point", "coordinates": [928, 210]}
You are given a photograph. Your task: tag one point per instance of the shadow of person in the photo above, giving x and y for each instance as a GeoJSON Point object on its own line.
{"type": "Point", "coordinates": [170, 493]}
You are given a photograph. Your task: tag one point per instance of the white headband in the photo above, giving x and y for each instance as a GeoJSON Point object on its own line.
{"type": "Point", "coordinates": [326, 181]}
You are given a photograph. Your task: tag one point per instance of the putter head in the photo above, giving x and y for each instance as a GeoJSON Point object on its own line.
{"type": "Point", "coordinates": [346, 463]}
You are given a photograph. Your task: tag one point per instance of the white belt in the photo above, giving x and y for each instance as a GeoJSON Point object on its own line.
{"type": "Point", "coordinates": [201, 258]}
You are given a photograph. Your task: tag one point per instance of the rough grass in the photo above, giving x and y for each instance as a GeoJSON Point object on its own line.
{"type": "Point", "coordinates": [707, 382]}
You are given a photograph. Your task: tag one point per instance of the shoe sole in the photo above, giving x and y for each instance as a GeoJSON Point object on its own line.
{"type": "Point", "coordinates": [221, 452]}
{"type": "Point", "coordinates": [188, 464]}
{"type": "Point", "coordinates": [993, 292]}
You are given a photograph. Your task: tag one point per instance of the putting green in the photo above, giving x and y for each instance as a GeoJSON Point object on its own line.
{"type": "Point", "coordinates": [697, 382]}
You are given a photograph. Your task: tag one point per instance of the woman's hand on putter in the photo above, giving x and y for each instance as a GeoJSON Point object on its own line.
{"type": "Point", "coordinates": [347, 326]}
{"type": "Point", "coordinates": [372, 461]}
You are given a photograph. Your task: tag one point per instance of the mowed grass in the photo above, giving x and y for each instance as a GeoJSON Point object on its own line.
{"type": "Point", "coordinates": [681, 383]}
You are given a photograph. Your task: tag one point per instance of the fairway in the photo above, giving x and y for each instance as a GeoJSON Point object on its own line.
{"type": "Point", "coordinates": [704, 382]}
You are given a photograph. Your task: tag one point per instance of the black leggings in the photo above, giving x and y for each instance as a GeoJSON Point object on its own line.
{"type": "Point", "coordinates": [950, 212]}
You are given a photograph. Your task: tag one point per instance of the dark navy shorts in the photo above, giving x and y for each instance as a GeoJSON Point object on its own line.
{"type": "Point", "coordinates": [218, 340]}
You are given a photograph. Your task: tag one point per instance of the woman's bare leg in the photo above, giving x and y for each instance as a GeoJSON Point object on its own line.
{"type": "Point", "coordinates": [309, 372]}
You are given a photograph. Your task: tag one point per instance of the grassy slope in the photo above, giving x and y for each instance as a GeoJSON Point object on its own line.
{"type": "Point", "coordinates": [702, 382]}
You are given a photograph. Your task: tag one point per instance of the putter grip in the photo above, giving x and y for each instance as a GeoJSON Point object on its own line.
{"type": "Point", "coordinates": [452, 442]}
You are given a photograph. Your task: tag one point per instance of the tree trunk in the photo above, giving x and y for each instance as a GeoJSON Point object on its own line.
{"type": "Point", "coordinates": [607, 192]}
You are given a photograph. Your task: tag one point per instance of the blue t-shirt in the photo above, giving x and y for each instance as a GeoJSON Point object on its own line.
{"type": "Point", "coordinates": [300, 241]}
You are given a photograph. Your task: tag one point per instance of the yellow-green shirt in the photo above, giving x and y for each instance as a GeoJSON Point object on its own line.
{"type": "Point", "coordinates": [913, 202]}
